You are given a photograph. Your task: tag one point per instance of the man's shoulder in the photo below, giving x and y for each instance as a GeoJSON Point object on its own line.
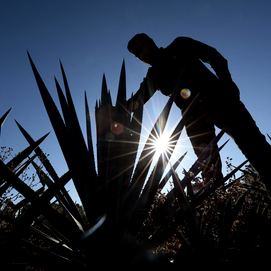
{"type": "Point", "coordinates": [182, 39]}
{"type": "Point", "coordinates": [179, 44]}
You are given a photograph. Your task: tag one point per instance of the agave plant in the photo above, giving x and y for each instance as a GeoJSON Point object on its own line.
{"type": "Point", "coordinates": [117, 191]}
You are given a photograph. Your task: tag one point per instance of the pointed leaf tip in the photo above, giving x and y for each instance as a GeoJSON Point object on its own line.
{"type": "Point", "coordinates": [29, 57]}
{"type": "Point", "coordinates": [62, 68]}
{"type": "Point", "coordinates": [4, 117]}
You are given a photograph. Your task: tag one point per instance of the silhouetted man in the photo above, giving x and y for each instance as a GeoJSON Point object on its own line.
{"type": "Point", "coordinates": [219, 101]}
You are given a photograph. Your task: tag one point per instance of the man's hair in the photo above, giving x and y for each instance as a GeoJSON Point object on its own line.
{"type": "Point", "coordinates": [142, 37]}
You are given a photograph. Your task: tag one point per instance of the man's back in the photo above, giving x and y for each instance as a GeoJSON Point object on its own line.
{"type": "Point", "coordinates": [179, 58]}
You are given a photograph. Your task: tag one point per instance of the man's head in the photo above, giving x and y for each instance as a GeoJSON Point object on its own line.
{"type": "Point", "coordinates": [143, 47]}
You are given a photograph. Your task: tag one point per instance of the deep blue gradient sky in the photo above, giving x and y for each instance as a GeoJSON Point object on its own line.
{"type": "Point", "coordinates": [90, 38]}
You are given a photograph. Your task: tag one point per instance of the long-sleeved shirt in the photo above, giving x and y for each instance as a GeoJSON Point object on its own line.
{"type": "Point", "coordinates": [185, 55]}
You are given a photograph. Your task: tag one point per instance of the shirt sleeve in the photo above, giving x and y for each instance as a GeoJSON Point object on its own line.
{"type": "Point", "coordinates": [149, 83]}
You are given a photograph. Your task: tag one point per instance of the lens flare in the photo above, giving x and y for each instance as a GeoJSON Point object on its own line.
{"type": "Point", "coordinates": [135, 105]}
{"type": "Point", "coordinates": [116, 128]}
{"type": "Point", "coordinates": [185, 93]}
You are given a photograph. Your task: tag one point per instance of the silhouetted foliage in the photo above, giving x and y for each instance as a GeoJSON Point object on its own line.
{"type": "Point", "coordinates": [125, 220]}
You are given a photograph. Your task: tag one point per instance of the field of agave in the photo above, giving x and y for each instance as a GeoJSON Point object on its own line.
{"type": "Point", "coordinates": [125, 221]}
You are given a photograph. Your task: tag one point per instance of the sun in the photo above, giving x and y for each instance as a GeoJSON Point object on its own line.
{"type": "Point", "coordinates": [161, 144]}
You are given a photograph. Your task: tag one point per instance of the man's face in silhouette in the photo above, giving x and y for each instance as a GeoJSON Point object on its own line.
{"type": "Point", "coordinates": [143, 51]}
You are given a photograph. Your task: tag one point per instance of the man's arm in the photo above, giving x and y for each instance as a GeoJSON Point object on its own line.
{"type": "Point", "coordinates": [149, 83]}
{"type": "Point", "coordinates": [193, 48]}
{"type": "Point", "coordinates": [211, 56]}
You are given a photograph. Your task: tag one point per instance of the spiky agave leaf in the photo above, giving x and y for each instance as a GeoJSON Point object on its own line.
{"type": "Point", "coordinates": [3, 118]}
{"type": "Point", "coordinates": [119, 148]}
{"type": "Point", "coordinates": [87, 165]}
{"type": "Point", "coordinates": [14, 163]}
{"type": "Point", "coordinates": [54, 116]}
{"type": "Point", "coordinates": [153, 182]}
{"type": "Point", "coordinates": [49, 168]}
{"type": "Point", "coordinates": [85, 188]}
{"type": "Point", "coordinates": [186, 207]}
{"type": "Point", "coordinates": [18, 159]}
{"type": "Point", "coordinates": [85, 159]}
{"type": "Point", "coordinates": [18, 172]}
{"type": "Point", "coordinates": [18, 184]}
{"type": "Point", "coordinates": [133, 202]}
{"type": "Point", "coordinates": [147, 155]}
{"type": "Point", "coordinates": [65, 110]}
{"type": "Point", "coordinates": [137, 202]}
{"type": "Point", "coordinates": [103, 115]}
{"type": "Point", "coordinates": [195, 169]}
{"type": "Point", "coordinates": [66, 204]}
{"type": "Point", "coordinates": [134, 133]}
{"type": "Point", "coordinates": [39, 205]}
{"type": "Point", "coordinates": [121, 115]}
{"type": "Point", "coordinates": [23, 203]}
{"type": "Point", "coordinates": [81, 144]}
{"type": "Point", "coordinates": [203, 159]}
{"type": "Point", "coordinates": [53, 113]}
{"type": "Point", "coordinates": [132, 144]}
{"type": "Point", "coordinates": [43, 158]}
{"type": "Point", "coordinates": [57, 250]}
{"type": "Point", "coordinates": [89, 134]}
{"type": "Point", "coordinates": [205, 191]}
{"type": "Point", "coordinates": [170, 172]}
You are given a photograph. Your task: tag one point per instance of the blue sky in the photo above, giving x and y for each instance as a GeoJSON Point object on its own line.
{"type": "Point", "coordinates": [90, 38]}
